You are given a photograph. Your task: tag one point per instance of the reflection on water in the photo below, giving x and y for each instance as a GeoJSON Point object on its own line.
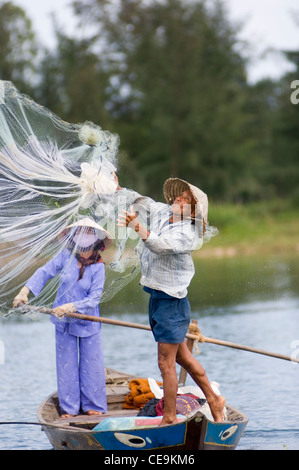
{"type": "Point", "coordinates": [250, 302]}
{"type": "Point", "coordinates": [240, 280]}
{"type": "Point", "coordinates": [223, 282]}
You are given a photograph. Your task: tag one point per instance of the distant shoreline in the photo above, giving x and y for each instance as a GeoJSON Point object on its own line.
{"type": "Point", "coordinates": [261, 228]}
{"type": "Point", "coordinates": [221, 252]}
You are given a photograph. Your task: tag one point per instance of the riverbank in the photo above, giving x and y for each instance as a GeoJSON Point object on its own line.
{"type": "Point", "coordinates": [262, 228]}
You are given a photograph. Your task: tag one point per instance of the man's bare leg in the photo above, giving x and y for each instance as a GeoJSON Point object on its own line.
{"type": "Point", "coordinates": [198, 374]}
{"type": "Point", "coordinates": [167, 364]}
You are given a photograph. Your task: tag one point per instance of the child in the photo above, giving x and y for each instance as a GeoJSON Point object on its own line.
{"type": "Point", "coordinates": [81, 382]}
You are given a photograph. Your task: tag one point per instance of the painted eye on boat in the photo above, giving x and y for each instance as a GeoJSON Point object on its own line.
{"type": "Point", "coordinates": [130, 440]}
{"type": "Point", "coordinates": [229, 432]}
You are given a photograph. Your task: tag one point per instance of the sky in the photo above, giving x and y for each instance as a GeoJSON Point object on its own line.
{"type": "Point", "coordinates": [268, 26]}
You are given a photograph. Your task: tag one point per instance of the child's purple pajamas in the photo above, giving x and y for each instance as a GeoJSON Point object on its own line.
{"type": "Point", "coordinates": [79, 355]}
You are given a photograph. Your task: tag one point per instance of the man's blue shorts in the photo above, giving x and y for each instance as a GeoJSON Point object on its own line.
{"type": "Point", "coordinates": [169, 317]}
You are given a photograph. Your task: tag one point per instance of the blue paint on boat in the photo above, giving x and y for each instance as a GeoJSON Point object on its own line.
{"type": "Point", "coordinates": [223, 434]}
{"type": "Point", "coordinates": [143, 438]}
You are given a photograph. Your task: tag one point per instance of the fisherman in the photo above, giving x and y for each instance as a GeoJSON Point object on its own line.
{"type": "Point", "coordinates": [79, 356]}
{"type": "Point", "coordinates": [175, 230]}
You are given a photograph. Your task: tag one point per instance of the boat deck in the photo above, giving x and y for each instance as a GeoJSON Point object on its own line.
{"type": "Point", "coordinates": [86, 421]}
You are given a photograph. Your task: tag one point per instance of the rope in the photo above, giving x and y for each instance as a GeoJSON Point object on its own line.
{"type": "Point", "coordinates": [21, 422]}
{"type": "Point", "coordinates": [31, 423]}
{"type": "Point", "coordinates": [194, 330]}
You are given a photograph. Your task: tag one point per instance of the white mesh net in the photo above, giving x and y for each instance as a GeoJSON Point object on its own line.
{"type": "Point", "coordinates": [52, 174]}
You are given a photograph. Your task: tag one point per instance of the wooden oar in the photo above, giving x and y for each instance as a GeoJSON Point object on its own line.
{"type": "Point", "coordinates": [195, 337]}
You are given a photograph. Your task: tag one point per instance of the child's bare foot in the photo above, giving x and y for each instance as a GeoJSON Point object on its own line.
{"type": "Point", "coordinates": [93, 412]}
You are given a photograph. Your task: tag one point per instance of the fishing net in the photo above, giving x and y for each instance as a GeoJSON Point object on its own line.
{"type": "Point", "coordinates": [52, 174]}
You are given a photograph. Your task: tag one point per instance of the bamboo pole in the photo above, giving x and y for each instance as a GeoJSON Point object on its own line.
{"type": "Point", "coordinates": [190, 336]}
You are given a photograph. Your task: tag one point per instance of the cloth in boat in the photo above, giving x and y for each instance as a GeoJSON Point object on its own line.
{"type": "Point", "coordinates": [81, 383]}
{"type": "Point", "coordinates": [169, 317]}
{"type": "Point", "coordinates": [150, 408]}
{"type": "Point", "coordinates": [140, 394]}
{"type": "Point", "coordinates": [155, 406]}
{"type": "Point", "coordinates": [185, 405]}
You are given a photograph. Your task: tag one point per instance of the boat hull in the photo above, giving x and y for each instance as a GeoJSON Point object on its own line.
{"type": "Point", "coordinates": [196, 432]}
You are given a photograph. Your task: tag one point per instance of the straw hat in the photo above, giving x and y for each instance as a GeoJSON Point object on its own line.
{"type": "Point", "coordinates": [174, 187]}
{"type": "Point", "coordinates": [101, 233]}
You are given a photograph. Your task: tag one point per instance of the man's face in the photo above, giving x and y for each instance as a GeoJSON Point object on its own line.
{"type": "Point", "coordinates": [182, 205]}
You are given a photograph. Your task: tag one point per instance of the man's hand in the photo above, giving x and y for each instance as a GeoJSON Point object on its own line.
{"type": "Point", "coordinates": [128, 220]}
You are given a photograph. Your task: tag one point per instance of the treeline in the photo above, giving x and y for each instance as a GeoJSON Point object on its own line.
{"type": "Point", "coordinates": [170, 78]}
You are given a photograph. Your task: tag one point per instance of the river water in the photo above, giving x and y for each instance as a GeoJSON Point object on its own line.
{"type": "Point", "coordinates": [254, 302]}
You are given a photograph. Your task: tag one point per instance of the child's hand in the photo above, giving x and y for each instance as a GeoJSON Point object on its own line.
{"type": "Point", "coordinates": [63, 309]}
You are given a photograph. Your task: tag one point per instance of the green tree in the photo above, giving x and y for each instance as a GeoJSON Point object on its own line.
{"type": "Point", "coordinates": [18, 51]}
{"type": "Point", "coordinates": [284, 170]}
{"type": "Point", "coordinates": [71, 82]}
{"type": "Point", "coordinates": [75, 84]}
{"type": "Point", "coordinates": [261, 110]}
{"type": "Point", "coordinates": [177, 90]}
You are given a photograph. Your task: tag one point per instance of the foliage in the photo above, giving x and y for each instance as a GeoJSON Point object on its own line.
{"type": "Point", "coordinates": [284, 173]}
{"type": "Point", "coordinates": [18, 49]}
{"type": "Point", "coordinates": [178, 91]}
{"type": "Point", "coordinates": [169, 77]}
{"type": "Point", "coordinates": [261, 227]}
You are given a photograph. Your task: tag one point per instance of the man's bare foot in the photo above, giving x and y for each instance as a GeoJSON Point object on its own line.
{"type": "Point", "coordinates": [93, 412]}
{"type": "Point", "coordinates": [217, 409]}
{"type": "Point", "coordinates": [66, 415]}
{"type": "Point", "coordinates": [166, 421]}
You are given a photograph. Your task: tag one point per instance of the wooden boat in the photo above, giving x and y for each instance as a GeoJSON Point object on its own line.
{"type": "Point", "coordinates": [195, 432]}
